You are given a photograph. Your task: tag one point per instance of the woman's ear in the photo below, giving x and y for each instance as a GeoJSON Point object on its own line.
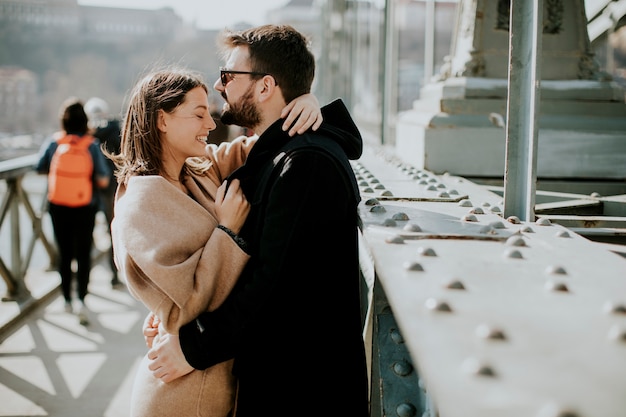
{"type": "Point", "coordinates": [161, 121]}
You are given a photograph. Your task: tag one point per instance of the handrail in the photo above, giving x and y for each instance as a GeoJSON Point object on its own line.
{"type": "Point", "coordinates": [15, 203]}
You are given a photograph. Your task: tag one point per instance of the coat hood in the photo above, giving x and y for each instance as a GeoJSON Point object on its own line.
{"type": "Point", "coordinates": [339, 125]}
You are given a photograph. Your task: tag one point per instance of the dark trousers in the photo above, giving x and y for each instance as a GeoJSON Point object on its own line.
{"type": "Point", "coordinates": [73, 231]}
{"type": "Point", "coordinates": [108, 198]}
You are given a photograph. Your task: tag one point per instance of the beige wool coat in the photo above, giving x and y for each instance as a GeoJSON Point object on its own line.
{"type": "Point", "coordinates": [176, 262]}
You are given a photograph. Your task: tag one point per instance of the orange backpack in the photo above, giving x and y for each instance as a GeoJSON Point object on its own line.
{"type": "Point", "coordinates": [71, 171]}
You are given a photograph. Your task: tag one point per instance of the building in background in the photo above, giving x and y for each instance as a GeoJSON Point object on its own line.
{"type": "Point", "coordinates": [375, 54]}
{"type": "Point", "coordinates": [85, 51]}
{"type": "Point", "coordinates": [58, 17]}
{"type": "Point", "coordinates": [18, 100]}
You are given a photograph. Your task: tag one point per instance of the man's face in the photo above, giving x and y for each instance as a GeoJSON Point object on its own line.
{"type": "Point", "coordinates": [239, 92]}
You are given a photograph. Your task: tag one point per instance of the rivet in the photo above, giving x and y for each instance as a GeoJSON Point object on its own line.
{"type": "Point", "coordinates": [379, 187]}
{"type": "Point", "coordinates": [474, 367]}
{"type": "Point", "coordinates": [526, 229]}
{"type": "Point", "coordinates": [386, 193]}
{"type": "Point", "coordinates": [400, 216]}
{"type": "Point", "coordinates": [515, 241]}
{"type": "Point", "coordinates": [378, 209]}
{"type": "Point", "coordinates": [488, 230]}
{"type": "Point", "coordinates": [477, 210]}
{"type": "Point", "coordinates": [555, 270]}
{"type": "Point", "coordinates": [495, 209]}
{"type": "Point", "coordinates": [389, 223]}
{"type": "Point", "coordinates": [443, 194]}
{"type": "Point", "coordinates": [465, 203]}
{"type": "Point", "coordinates": [413, 266]}
{"type": "Point", "coordinates": [431, 188]}
{"type": "Point", "coordinates": [394, 239]}
{"type": "Point", "coordinates": [556, 286]}
{"type": "Point", "coordinates": [372, 202]}
{"type": "Point", "coordinates": [614, 308]}
{"type": "Point", "coordinates": [374, 181]}
{"type": "Point", "coordinates": [562, 233]}
{"type": "Point", "coordinates": [513, 219]}
{"type": "Point", "coordinates": [426, 251]}
{"type": "Point", "coordinates": [486, 204]}
{"type": "Point", "coordinates": [364, 184]}
{"type": "Point", "coordinates": [553, 410]}
{"type": "Point", "coordinates": [367, 190]}
{"type": "Point", "coordinates": [617, 333]}
{"type": "Point", "coordinates": [470, 218]}
{"type": "Point", "coordinates": [421, 384]}
{"type": "Point", "coordinates": [513, 254]}
{"type": "Point", "coordinates": [406, 410]}
{"type": "Point", "coordinates": [595, 195]}
{"type": "Point", "coordinates": [453, 192]}
{"type": "Point", "coordinates": [412, 227]}
{"type": "Point", "coordinates": [497, 225]}
{"type": "Point", "coordinates": [440, 185]}
{"type": "Point", "coordinates": [542, 221]}
{"type": "Point", "coordinates": [396, 336]}
{"type": "Point", "coordinates": [455, 285]}
{"type": "Point", "coordinates": [437, 305]}
{"type": "Point", "coordinates": [485, 331]}
{"type": "Point", "coordinates": [402, 368]}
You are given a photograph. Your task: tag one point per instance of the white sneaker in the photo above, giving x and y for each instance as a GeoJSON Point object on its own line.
{"type": "Point", "coordinates": [82, 315]}
{"type": "Point", "coordinates": [68, 307]}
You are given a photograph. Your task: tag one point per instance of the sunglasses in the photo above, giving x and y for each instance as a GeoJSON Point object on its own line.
{"type": "Point", "coordinates": [226, 75]}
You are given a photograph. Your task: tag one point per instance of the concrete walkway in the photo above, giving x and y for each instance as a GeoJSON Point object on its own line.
{"type": "Point", "coordinates": [50, 365]}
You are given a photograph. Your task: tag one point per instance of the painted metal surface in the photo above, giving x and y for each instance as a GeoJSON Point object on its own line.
{"type": "Point", "coordinates": [501, 317]}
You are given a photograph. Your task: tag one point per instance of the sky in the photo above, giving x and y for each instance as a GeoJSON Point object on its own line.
{"type": "Point", "coordinates": [207, 14]}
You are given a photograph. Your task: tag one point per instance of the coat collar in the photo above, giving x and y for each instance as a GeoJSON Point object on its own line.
{"type": "Point", "coordinates": [269, 142]}
{"type": "Point", "coordinates": [266, 147]}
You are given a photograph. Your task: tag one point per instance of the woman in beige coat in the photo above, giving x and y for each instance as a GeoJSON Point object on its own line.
{"type": "Point", "coordinates": [175, 225]}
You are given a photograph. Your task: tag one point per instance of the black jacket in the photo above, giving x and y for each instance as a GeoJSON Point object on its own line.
{"type": "Point", "coordinates": [293, 321]}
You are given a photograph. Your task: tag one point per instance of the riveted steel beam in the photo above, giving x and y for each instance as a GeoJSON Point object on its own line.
{"type": "Point", "coordinates": [501, 317]}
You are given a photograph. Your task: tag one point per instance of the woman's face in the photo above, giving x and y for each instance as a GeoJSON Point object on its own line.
{"type": "Point", "coordinates": [184, 131]}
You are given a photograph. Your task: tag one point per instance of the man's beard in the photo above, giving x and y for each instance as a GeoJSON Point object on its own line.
{"type": "Point", "coordinates": [243, 113]}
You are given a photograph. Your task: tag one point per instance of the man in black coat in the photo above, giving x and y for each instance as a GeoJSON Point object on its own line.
{"type": "Point", "coordinates": [107, 129]}
{"type": "Point", "coordinates": [292, 323]}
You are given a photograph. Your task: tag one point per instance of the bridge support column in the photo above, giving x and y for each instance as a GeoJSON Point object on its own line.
{"type": "Point", "coordinates": [459, 123]}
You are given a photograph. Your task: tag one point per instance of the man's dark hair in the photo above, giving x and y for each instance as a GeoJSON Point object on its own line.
{"type": "Point", "coordinates": [277, 50]}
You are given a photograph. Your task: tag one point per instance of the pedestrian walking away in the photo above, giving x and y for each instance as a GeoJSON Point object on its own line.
{"type": "Point", "coordinates": [106, 128]}
{"type": "Point", "coordinates": [76, 170]}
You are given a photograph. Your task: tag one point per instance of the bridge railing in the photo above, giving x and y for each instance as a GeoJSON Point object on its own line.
{"type": "Point", "coordinates": [21, 217]}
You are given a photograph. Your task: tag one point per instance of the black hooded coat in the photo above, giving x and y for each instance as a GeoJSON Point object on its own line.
{"type": "Point", "coordinates": [293, 321]}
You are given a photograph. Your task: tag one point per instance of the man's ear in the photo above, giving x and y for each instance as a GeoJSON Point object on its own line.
{"type": "Point", "coordinates": [267, 88]}
{"type": "Point", "coordinates": [161, 121]}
